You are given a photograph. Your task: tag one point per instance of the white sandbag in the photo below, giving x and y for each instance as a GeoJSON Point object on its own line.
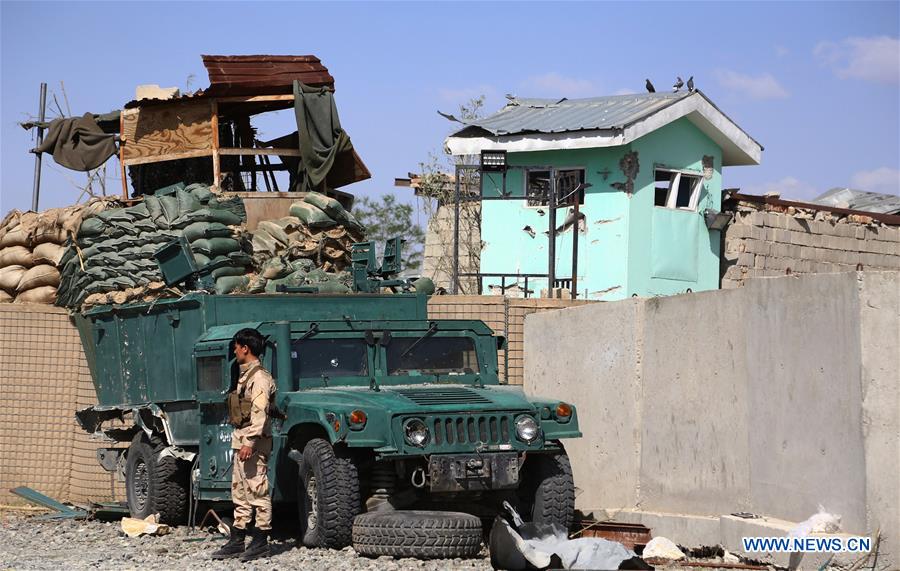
{"type": "Point", "coordinates": [16, 256]}
{"type": "Point", "coordinates": [5, 297]}
{"type": "Point", "coordinates": [48, 253]}
{"type": "Point", "coordinates": [43, 294]}
{"type": "Point", "coordinates": [10, 276]}
{"type": "Point", "coordinates": [39, 276]}
{"type": "Point", "coordinates": [15, 236]}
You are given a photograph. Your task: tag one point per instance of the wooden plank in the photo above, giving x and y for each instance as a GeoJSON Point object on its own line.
{"type": "Point", "coordinates": [167, 157]}
{"type": "Point", "coordinates": [254, 98]}
{"type": "Point", "coordinates": [166, 129]}
{"type": "Point", "coordinates": [230, 151]}
{"type": "Point", "coordinates": [217, 167]}
{"type": "Point", "coordinates": [122, 159]}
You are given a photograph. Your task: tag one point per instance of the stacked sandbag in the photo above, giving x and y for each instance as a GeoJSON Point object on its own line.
{"type": "Point", "coordinates": [32, 245]}
{"type": "Point", "coordinates": [112, 259]}
{"type": "Point", "coordinates": [309, 248]}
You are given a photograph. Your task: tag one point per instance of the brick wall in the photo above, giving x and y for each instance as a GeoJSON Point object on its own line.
{"type": "Point", "coordinates": [766, 240]}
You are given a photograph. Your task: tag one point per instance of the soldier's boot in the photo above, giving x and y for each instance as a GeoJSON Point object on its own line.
{"type": "Point", "coordinates": [259, 545]}
{"type": "Point", "coordinates": [235, 545]}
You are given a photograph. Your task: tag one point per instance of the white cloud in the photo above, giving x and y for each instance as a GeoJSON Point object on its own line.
{"type": "Point", "coordinates": [872, 59]}
{"type": "Point", "coordinates": [763, 86]}
{"type": "Point", "coordinates": [788, 187]}
{"type": "Point", "coordinates": [556, 85]}
{"type": "Point", "coordinates": [884, 179]}
{"type": "Point", "coordinates": [781, 51]}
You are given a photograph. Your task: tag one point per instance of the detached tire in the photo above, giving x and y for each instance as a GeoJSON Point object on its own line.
{"type": "Point", "coordinates": [419, 534]}
{"type": "Point", "coordinates": [327, 496]}
{"type": "Point", "coordinates": [153, 484]}
{"type": "Point", "coordinates": [549, 490]}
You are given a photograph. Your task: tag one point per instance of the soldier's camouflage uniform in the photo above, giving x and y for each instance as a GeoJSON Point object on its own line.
{"type": "Point", "coordinates": [249, 480]}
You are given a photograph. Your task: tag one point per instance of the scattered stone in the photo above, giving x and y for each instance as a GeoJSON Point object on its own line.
{"type": "Point", "coordinates": [661, 548]}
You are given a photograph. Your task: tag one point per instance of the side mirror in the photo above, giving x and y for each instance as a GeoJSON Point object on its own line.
{"type": "Point", "coordinates": [370, 338]}
{"type": "Point", "coordinates": [385, 338]}
{"type": "Point", "coordinates": [501, 342]}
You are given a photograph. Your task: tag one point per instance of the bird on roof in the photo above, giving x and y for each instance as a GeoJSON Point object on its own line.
{"type": "Point", "coordinates": [649, 86]}
{"type": "Point", "coordinates": [678, 84]}
{"type": "Point", "coordinates": [690, 83]}
{"type": "Point", "coordinates": [510, 96]}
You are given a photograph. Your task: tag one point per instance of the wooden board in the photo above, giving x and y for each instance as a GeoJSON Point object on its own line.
{"type": "Point", "coordinates": [169, 132]}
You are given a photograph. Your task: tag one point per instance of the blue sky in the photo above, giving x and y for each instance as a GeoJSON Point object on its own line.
{"type": "Point", "coordinates": [815, 83]}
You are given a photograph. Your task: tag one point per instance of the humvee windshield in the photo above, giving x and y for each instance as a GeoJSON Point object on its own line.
{"type": "Point", "coordinates": [432, 356]}
{"type": "Point", "coordinates": [342, 357]}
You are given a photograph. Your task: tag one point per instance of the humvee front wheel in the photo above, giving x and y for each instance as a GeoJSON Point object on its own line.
{"type": "Point", "coordinates": [548, 490]}
{"type": "Point", "coordinates": [327, 496]}
{"type": "Point", "coordinates": [153, 484]}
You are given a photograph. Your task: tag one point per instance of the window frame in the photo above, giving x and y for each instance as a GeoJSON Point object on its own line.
{"type": "Point", "coordinates": [674, 183]}
{"type": "Point", "coordinates": [582, 196]}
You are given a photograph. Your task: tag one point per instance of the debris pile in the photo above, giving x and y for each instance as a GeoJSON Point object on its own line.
{"type": "Point", "coordinates": [32, 245]}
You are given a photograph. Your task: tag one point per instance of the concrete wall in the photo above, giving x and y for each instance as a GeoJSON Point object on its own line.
{"type": "Point", "coordinates": [766, 240]}
{"type": "Point", "coordinates": [772, 399]}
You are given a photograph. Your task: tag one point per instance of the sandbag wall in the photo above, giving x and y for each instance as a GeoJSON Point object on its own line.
{"type": "Point", "coordinates": [112, 258]}
{"type": "Point", "coordinates": [32, 245]}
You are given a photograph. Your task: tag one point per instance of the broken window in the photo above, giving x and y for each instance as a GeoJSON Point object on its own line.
{"type": "Point", "coordinates": [537, 187]}
{"type": "Point", "coordinates": [675, 189]}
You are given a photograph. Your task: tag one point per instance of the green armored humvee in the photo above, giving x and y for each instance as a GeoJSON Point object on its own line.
{"type": "Point", "coordinates": [383, 408]}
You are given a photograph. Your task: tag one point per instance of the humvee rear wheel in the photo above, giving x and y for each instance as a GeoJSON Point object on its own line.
{"type": "Point", "coordinates": [327, 496]}
{"type": "Point", "coordinates": [548, 490]}
{"type": "Point", "coordinates": [153, 484]}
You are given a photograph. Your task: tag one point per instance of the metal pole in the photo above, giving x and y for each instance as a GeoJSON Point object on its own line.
{"type": "Point", "coordinates": [551, 268]}
{"type": "Point", "coordinates": [36, 190]}
{"type": "Point", "coordinates": [454, 289]}
{"type": "Point", "coordinates": [575, 248]}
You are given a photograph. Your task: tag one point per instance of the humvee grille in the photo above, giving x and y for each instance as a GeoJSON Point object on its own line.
{"type": "Point", "coordinates": [490, 429]}
{"type": "Point", "coordinates": [447, 395]}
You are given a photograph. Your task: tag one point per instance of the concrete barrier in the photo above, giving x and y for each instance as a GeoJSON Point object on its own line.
{"type": "Point", "coordinates": [773, 399]}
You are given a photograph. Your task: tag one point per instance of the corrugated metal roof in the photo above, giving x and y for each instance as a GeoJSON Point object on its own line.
{"type": "Point", "coordinates": [263, 74]}
{"type": "Point", "coordinates": [563, 115]}
{"type": "Point", "coordinates": [860, 200]}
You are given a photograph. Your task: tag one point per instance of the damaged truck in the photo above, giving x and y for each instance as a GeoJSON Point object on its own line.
{"type": "Point", "coordinates": [383, 409]}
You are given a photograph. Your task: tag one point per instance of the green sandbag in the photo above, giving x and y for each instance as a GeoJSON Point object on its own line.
{"type": "Point", "coordinates": [264, 242]}
{"type": "Point", "coordinates": [168, 190]}
{"type": "Point", "coordinates": [219, 215]}
{"type": "Point", "coordinates": [198, 230]}
{"type": "Point", "coordinates": [233, 204]}
{"type": "Point", "coordinates": [139, 211]}
{"type": "Point", "coordinates": [215, 246]}
{"type": "Point", "coordinates": [311, 215]}
{"type": "Point", "coordinates": [257, 284]}
{"type": "Point", "coordinates": [228, 271]}
{"type": "Point", "coordinates": [144, 225]}
{"type": "Point", "coordinates": [332, 286]}
{"type": "Point", "coordinates": [200, 191]}
{"type": "Point", "coordinates": [153, 207]}
{"type": "Point", "coordinates": [187, 202]}
{"type": "Point", "coordinates": [200, 259]}
{"type": "Point", "coordinates": [351, 221]}
{"type": "Point", "coordinates": [326, 204]}
{"type": "Point", "coordinates": [91, 227]}
{"type": "Point", "coordinates": [302, 265]}
{"type": "Point", "coordinates": [229, 284]}
{"type": "Point", "coordinates": [170, 208]}
{"type": "Point", "coordinates": [275, 269]}
{"type": "Point", "coordinates": [116, 215]}
{"type": "Point", "coordinates": [274, 230]}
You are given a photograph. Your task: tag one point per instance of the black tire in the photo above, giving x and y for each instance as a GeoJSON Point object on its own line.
{"type": "Point", "coordinates": [548, 490]}
{"type": "Point", "coordinates": [326, 520]}
{"type": "Point", "coordinates": [419, 534]}
{"type": "Point", "coordinates": [155, 485]}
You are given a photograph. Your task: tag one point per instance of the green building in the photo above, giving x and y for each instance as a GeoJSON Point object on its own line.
{"type": "Point", "coordinates": [653, 167]}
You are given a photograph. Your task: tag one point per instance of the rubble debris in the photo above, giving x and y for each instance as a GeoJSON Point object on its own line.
{"type": "Point", "coordinates": [634, 536]}
{"type": "Point", "coordinates": [133, 527]}
{"type": "Point", "coordinates": [529, 230]}
{"type": "Point", "coordinates": [662, 550]}
{"type": "Point", "coordinates": [62, 510]}
{"type": "Point", "coordinates": [819, 522]}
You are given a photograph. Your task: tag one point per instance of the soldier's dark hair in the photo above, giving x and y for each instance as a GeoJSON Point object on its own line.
{"type": "Point", "coordinates": [251, 339]}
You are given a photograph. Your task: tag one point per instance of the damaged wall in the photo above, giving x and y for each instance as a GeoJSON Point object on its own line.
{"type": "Point", "coordinates": [437, 262]}
{"type": "Point", "coordinates": [769, 240]}
{"type": "Point", "coordinates": [770, 399]}
{"type": "Point", "coordinates": [43, 380]}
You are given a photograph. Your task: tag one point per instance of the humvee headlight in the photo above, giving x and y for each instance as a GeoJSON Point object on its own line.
{"type": "Point", "coordinates": [357, 419]}
{"type": "Point", "coordinates": [527, 428]}
{"type": "Point", "coordinates": [416, 432]}
{"type": "Point", "coordinates": [563, 412]}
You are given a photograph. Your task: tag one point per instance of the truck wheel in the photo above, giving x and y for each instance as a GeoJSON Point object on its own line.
{"type": "Point", "coordinates": [419, 534]}
{"type": "Point", "coordinates": [153, 484]}
{"type": "Point", "coordinates": [548, 490]}
{"type": "Point", "coordinates": [328, 496]}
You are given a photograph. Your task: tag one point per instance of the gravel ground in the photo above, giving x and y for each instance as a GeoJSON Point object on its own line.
{"type": "Point", "coordinates": [28, 543]}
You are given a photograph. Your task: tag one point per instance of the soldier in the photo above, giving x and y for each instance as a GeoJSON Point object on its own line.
{"type": "Point", "coordinates": [249, 405]}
